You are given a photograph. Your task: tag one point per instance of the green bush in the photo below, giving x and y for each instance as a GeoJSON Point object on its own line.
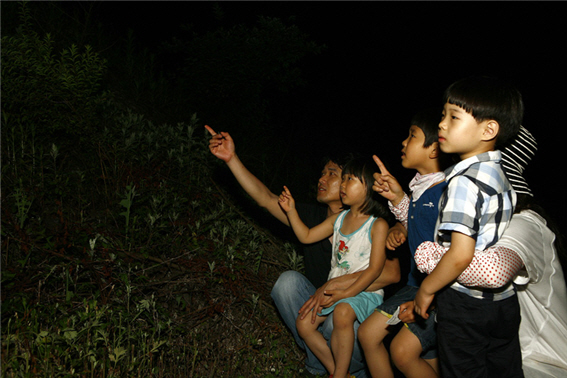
{"type": "Point", "coordinates": [44, 92]}
{"type": "Point", "coordinates": [121, 256]}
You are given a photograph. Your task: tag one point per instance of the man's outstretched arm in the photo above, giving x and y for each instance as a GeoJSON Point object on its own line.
{"type": "Point", "coordinates": [222, 146]}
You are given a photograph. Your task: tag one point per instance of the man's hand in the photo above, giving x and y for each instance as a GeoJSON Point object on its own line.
{"type": "Point", "coordinates": [314, 304]}
{"type": "Point", "coordinates": [386, 184]}
{"type": "Point", "coordinates": [334, 296]}
{"type": "Point", "coordinates": [221, 145]}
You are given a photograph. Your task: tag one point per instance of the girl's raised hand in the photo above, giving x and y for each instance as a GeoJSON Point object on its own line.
{"type": "Point", "coordinates": [286, 201]}
{"type": "Point", "coordinates": [221, 144]}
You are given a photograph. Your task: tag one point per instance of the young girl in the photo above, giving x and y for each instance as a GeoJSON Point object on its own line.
{"type": "Point", "coordinates": [359, 238]}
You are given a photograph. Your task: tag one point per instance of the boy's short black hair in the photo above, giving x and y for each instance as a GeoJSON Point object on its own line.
{"type": "Point", "coordinates": [489, 98]}
{"type": "Point", "coordinates": [363, 168]}
{"type": "Point", "coordinates": [428, 121]}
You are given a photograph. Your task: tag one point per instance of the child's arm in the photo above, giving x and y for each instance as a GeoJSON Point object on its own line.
{"type": "Point", "coordinates": [491, 268]}
{"type": "Point", "coordinates": [386, 185]}
{"type": "Point", "coordinates": [455, 261]}
{"type": "Point", "coordinates": [375, 267]}
{"type": "Point", "coordinates": [390, 275]}
{"type": "Point", "coordinates": [397, 236]}
{"type": "Point", "coordinates": [305, 234]}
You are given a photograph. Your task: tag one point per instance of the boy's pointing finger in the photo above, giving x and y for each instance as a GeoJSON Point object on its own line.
{"type": "Point", "coordinates": [380, 165]}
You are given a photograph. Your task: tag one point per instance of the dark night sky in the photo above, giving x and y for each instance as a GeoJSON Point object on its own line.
{"type": "Point", "coordinates": [386, 60]}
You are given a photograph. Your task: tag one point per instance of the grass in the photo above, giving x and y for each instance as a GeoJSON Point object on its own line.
{"type": "Point", "coordinates": [111, 311]}
{"type": "Point", "coordinates": [171, 279]}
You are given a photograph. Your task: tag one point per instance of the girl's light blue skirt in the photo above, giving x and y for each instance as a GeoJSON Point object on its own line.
{"type": "Point", "coordinates": [363, 305]}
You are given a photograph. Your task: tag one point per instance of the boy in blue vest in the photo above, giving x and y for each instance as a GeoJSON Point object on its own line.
{"type": "Point", "coordinates": [414, 348]}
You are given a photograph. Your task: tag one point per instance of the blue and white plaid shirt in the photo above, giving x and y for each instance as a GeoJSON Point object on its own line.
{"type": "Point", "coordinates": [479, 202]}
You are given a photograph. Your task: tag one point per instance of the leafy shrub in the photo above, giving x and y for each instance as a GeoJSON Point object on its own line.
{"type": "Point", "coordinates": [121, 256]}
{"type": "Point", "coordinates": [44, 93]}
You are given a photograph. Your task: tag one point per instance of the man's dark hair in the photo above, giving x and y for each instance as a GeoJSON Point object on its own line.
{"type": "Point", "coordinates": [488, 98]}
{"type": "Point", "coordinates": [339, 159]}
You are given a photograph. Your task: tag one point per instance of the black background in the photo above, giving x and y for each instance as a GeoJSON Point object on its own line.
{"type": "Point", "coordinates": [386, 60]}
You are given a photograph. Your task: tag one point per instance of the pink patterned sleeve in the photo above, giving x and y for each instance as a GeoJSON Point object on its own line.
{"type": "Point", "coordinates": [491, 268]}
{"type": "Point", "coordinates": [401, 210]}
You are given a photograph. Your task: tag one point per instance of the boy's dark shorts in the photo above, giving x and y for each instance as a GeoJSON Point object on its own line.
{"type": "Point", "coordinates": [424, 329]}
{"type": "Point", "coordinates": [478, 337]}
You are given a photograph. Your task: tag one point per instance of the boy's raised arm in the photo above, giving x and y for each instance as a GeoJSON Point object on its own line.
{"type": "Point", "coordinates": [222, 146]}
{"type": "Point", "coordinates": [386, 185]}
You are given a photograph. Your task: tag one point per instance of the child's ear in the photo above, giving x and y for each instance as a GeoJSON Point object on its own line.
{"type": "Point", "coordinates": [491, 130]}
{"type": "Point", "coordinates": [434, 150]}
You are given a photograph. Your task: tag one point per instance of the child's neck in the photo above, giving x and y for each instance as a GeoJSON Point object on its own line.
{"type": "Point", "coordinates": [355, 212]}
{"type": "Point", "coordinates": [424, 172]}
{"type": "Point", "coordinates": [483, 148]}
{"type": "Point", "coordinates": [428, 168]}
{"type": "Point", "coordinates": [353, 221]}
{"type": "Point", "coordinates": [334, 208]}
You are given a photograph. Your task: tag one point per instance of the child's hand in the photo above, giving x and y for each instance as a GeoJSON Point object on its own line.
{"type": "Point", "coordinates": [395, 239]}
{"type": "Point", "coordinates": [286, 201]}
{"type": "Point", "coordinates": [386, 185]}
{"type": "Point", "coordinates": [422, 302]}
{"type": "Point", "coordinates": [406, 314]}
{"type": "Point", "coordinates": [221, 145]}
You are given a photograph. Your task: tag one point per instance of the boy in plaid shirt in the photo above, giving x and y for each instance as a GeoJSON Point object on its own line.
{"type": "Point", "coordinates": [477, 328]}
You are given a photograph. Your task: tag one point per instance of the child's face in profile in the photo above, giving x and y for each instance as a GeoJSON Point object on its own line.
{"type": "Point", "coordinates": [353, 191]}
{"type": "Point", "coordinates": [413, 152]}
{"type": "Point", "coordinates": [460, 133]}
